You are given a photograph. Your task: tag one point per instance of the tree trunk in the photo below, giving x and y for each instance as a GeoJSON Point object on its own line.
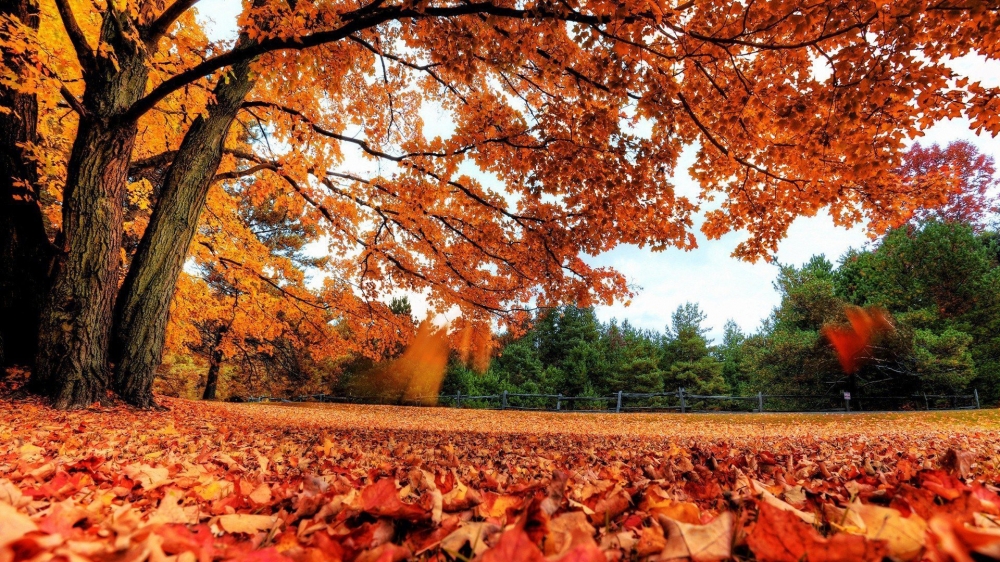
{"type": "Point", "coordinates": [214, 362]}
{"type": "Point", "coordinates": [143, 307]}
{"type": "Point", "coordinates": [71, 366]}
{"type": "Point", "coordinates": [25, 252]}
{"type": "Point", "coordinates": [213, 377]}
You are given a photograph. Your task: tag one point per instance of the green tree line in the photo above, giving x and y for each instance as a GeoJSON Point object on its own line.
{"type": "Point", "coordinates": [940, 282]}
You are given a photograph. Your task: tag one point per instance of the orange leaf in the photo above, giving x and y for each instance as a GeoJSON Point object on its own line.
{"type": "Point", "coordinates": [851, 342]}
{"type": "Point", "coordinates": [382, 500]}
{"type": "Point", "coordinates": [780, 536]}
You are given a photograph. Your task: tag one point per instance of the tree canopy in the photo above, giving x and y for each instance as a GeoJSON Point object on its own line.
{"type": "Point", "coordinates": [137, 142]}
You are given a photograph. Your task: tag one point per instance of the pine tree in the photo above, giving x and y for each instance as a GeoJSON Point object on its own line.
{"type": "Point", "coordinates": [687, 358]}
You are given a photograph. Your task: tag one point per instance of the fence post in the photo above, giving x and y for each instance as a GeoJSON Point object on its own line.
{"type": "Point", "coordinates": [975, 392]}
{"type": "Point", "coordinates": [503, 405]}
{"type": "Point", "coordinates": [559, 402]}
{"type": "Point", "coordinates": [458, 399]}
{"type": "Point", "coordinates": [927, 403]}
{"type": "Point", "coordinates": [680, 392]}
{"type": "Point", "coordinates": [847, 402]}
{"type": "Point", "coordinates": [618, 408]}
{"type": "Point", "coordinates": [760, 402]}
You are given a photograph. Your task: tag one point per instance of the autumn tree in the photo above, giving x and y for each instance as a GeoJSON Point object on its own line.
{"type": "Point", "coordinates": [245, 301]}
{"type": "Point", "coordinates": [329, 100]}
{"type": "Point", "coordinates": [971, 176]}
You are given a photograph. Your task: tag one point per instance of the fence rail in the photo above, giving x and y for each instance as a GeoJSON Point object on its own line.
{"type": "Point", "coordinates": [675, 401]}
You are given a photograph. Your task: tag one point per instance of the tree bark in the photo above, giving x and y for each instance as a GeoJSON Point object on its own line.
{"type": "Point", "coordinates": [71, 366]}
{"type": "Point", "coordinates": [143, 308]}
{"type": "Point", "coordinates": [25, 251]}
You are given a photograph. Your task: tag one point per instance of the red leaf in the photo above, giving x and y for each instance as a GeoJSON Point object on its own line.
{"type": "Point", "coordinates": [381, 499]}
{"type": "Point", "coordinates": [852, 341]}
{"type": "Point", "coordinates": [780, 536]}
{"type": "Point", "coordinates": [514, 546]}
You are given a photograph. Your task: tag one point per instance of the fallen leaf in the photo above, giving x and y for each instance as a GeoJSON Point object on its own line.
{"type": "Point", "coordinates": [261, 494]}
{"type": "Point", "coordinates": [513, 546]}
{"type": "Point", "coordinates": [686, 512]}
{"type": "Point", "coordinates": [382, 500]}
{"type": "Point", "coordinates": [567, 531]}
{"type": "Point", "coordinates": [652, 541]}
{"type": "Point", "coordinates": [13, 524]}
{"type": "Point", "coordinates": [710, 542]}
{"type": "Point", "coordinates": [781, 536]}
{"type": "Point", "coordinates": [476, 535]}
{"type": "Point", "coordinates": [170, 510]}
{"type": "Point", "coordinates": [958, 462]}
{"type": "Point", "coordinates": [610, 506]}
{"type": "Point", "coordinates": [245, 523]}
{"type": "Point", "coordinates": [904, 536]}
{"type": "Point", "coordinates": [147, 476]}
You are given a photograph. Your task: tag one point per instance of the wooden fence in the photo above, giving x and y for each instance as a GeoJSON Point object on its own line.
{"type": "Point", "coordinates": [677, 401]}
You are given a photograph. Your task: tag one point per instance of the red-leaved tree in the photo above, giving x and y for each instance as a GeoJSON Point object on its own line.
{"type": "Point", "coordinates": [972, 195]}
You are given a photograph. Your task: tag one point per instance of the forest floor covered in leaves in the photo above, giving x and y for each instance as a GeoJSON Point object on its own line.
{"type": "Point", "coordinates": [210, 481]}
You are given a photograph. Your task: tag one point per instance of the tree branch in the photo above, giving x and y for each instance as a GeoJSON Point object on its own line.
{"type": "Point", "coordinates": [428, 68]}
{"type": "Point", "coordinates": [403, 159]}
{"type": "Point", "coordinates": [729, 41]}
{"type": "Point", "coordinates": [72, 101]}
{"type": "Point", "coordinates": [84, 53]}
{"type": "Point", "coordinates": [158, 27]}
{"type": "Point", "coordinates": [235, 174]}
{"type": "Point", "coordinates": [165, 158]}
{"type": "Point", "coordinates": [722, 148]}
{"type": "Point", "coordinates": [357, 21]}
{"type": "Point", "coordinates": [264, 278]}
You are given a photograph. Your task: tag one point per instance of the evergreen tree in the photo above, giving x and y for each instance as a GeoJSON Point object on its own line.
{"type": "Point", "coordinates": [566, 340]}
{"type": "Point", "coordinates": [633, 357]}
{"type": "Point", "coordinates": [788, 355]}
{"type": "Point", "coordinates": [520, 363]}
{"type": "Point", "coordinates": [687, 359]}
{"type": "Point", "coordinates": [941, 282]}
{"type": "Point", "coordinates": [731, 354]}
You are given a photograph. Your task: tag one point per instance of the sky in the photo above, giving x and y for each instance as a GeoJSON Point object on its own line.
{"type": "Point", "coordinates": [724, 287]}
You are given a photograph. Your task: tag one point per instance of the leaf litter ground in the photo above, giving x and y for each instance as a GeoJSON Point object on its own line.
{"type": "Point", "coordinates": [213, 481]}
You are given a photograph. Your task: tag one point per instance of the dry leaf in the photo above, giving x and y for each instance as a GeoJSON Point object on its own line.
{"type": "Point", "coordinates": [245, 523]}
{"type": "Point", "coordinates": [710, 542]}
